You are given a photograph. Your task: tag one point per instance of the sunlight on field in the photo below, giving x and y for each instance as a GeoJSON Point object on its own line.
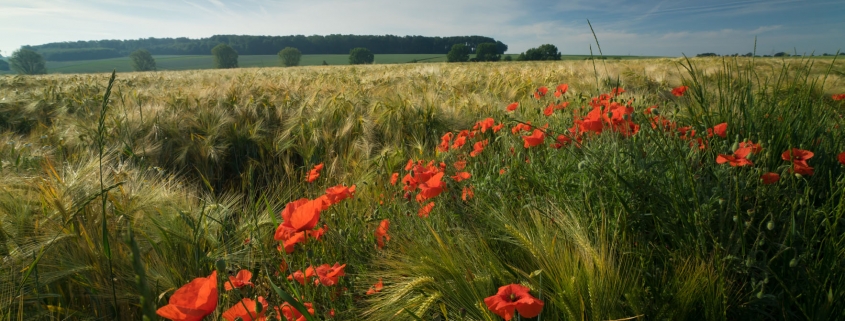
{"type": "Point", "coordinates": [600, 190]}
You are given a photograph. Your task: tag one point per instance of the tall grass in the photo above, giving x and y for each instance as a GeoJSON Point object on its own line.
{"type": "Point", "coordinates": [197, 165]}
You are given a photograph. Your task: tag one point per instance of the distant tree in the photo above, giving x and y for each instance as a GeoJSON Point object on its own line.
{"type": "Point", "coordinates": [781, 54]}
{"type": "Point", "coordinates": [224, 56]}
{"type": "Point", "coordinates": [543, 52]}
{"type": "Point", "coordinates": [707, 54]}
{"type": "Point", "coordinates": [290, 56]}
{"type": "Point", "coordinates": [325, 63]}
{"type": "Point", "coordinates": [142, 60]}
{"type": "Point", "coordinates": [748, 55]}
{"type": "Point", "coordinates": [28, 62]}
{"type": "Point", "coordinates": [507, 58]}
{"type": "Point", "coordinates": [361, 55]}
{"type": "Point", "coordinates": [459, 53]}
{"type": "Point", "coordinates": [4, 66]}
{"type": "Point", "coordinates": [487, 52]}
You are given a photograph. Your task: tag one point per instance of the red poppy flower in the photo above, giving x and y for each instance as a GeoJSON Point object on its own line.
{"type": "Point", "coordinates": [755, 148]}
{"type": "Point", "coordinates": [292, 314]}
{"type": "Point", "coordinates": [394, 178]}
{"type": "Point", "coordinates": [291, 240]}
{"type": "Point", "coordinates": [467, 193]}
{"type": "Point", "coordinates": [541, 92]}
{"type": "Point", "coordinates": [409, 165]}
{"type": "Point", "coordinates": [328, 275]}
{"type": "Point", "coordinates": [535, 139]}
{"type": "Point", "coordinates": [301, 277]}
{"type": "Point", "coordinates": [679, 91]}
{"type": "Point", "coordinates": [720, 130]}
{"type": "Point", "coordinates": [246, 310]}
{"type": "Point", "coordinates": [299, 215]}
{"type": "Point", "coordinates": [486, 124]}
{"type": "Point", "coordinates": [459, 142]}
{"type": "Point", "coordinates": [498, 127]}
{"type": "Point", "coordinates": [617, 91]}
{"type": "Point", "coordinates": [737, 159]}
{"type": "Point", "coordinates": [376, 288]}
{"type": "Point", "coordinates": [513, 106]}
{"type": "Point", "coordinates": [318, 233]}
{"type": "Point", "coordinates": [503, 171]}
{"type": "Point", "coordinates": [461, 176]}
{"type": "Point", "coordinates": [240, 280]}
{"type": "Point", "coordinates": [550, 110]}
{"type": "Point", "coordinates": [425, 210]}
{"type": "Point", "coordinates": [562, 105]}
{"type": "Point", "coordinates": [193, 301]}
{"type": "Point", "coordinates": [431, 188]}
{"type": "Point", "coordinates": [839, 97]}
{"type": "Point", "coordinates": [381, 233]}
{"type": "Point", "coordinates": [770, 178]}
{"type": "Point", "coordinates": [841, 156]}
{"type": "Point", "coordinates": [314, 173]}
{"type": "Point", "coordinates": [335, 194]}
{"type": "Point", "coordinates": [561, 89]}
{"type": "Point", "coordinates": [799, 158]}
{"type": "Point", "coordinates": [460, 165]}
{"type": "Point", "coordinates": [478, 147]}
{"type": "Point", "coordinates": [444, 142]}
{"type": "Point", "coordinates": [514, 297]}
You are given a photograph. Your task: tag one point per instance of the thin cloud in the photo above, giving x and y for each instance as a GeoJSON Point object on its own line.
{"type": "Point", "coordinates": [650, 27]}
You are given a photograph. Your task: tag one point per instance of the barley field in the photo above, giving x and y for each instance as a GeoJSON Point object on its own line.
{"type": "Point", "coordinates": [656, 189]}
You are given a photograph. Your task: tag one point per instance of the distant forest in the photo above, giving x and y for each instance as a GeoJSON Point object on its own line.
{"type": "Point", "coordinates": [258, 45]}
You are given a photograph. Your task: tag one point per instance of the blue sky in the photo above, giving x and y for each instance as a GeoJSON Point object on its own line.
{"type": "Point", "coordinates": [650, 27]}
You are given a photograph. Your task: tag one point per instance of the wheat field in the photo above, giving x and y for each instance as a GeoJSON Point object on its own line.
{"type": "Point", "coordinates": [109, 205]}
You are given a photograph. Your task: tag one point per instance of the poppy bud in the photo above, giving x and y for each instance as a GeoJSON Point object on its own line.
{"type": "Point", "coordinates": [793, 262]}
{"type": "Point", "coordinates": [259, 307]}
{"type": "Point", "coordinates": [770, 225]}
{"type": "Point", "coordinates": [221, 266]}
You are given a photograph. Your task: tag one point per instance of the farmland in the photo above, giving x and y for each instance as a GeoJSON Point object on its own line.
{"type": "Point", "coordinates": [621, 195]}
{"type": "Point", "coordinates": [187, 62]}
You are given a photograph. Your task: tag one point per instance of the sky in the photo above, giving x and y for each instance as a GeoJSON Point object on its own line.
{"type": "Point", "coordinates": [646, 28]}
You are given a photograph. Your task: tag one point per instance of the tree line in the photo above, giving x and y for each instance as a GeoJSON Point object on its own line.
{"type": "Point", "coordinates": [260, 45]}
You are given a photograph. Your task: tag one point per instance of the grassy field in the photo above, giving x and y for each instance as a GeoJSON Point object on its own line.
{"type": "Point", "coordinates": [163, 63]}
{"type": "Point", "coordinates": [610, 198]}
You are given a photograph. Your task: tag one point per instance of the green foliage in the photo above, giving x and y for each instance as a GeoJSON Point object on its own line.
{"type": "Point", "coordinates": [360, 55]}
{"type": "Point", "coordinates": [508, 58]}
{"type": "Point", "coordinates": [224, 56]}
{"type": "Point", "coordinates": [487, 52]}
{"type": "Point", "coordinates": [458, 53]}
{"type": "Point", "coordinates": [290, 56]}
{"type": "Point", "coordinates": [263, 45]}
{"type": "Point", "coordinates": [27, 62]}
{"type": "Point", "coordinates": [76, 54]}
{"type": "Point", "coordinates": [4, 66]}
{"type": "Point", "coordinates": [544, 52]}
{"type": "Point", "coordinates": [142, 60]}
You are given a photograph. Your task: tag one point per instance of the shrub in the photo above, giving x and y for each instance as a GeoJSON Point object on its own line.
{"type": "Point", "coordinates": [361, 55]}
{"type": "Point", "coordinates": [544, 52]}
{"type": "Point", "coordinates": [142, 60]}
{"type": "Point", "coordinates": [487, 52]}
{"type": "Point", "coordinates": [28, 62]}
{"type": "Point", "coordinates": [4, 66]}
{"type": "Point", "coordinates": [290, 56]}
{"type": "Point", "coordinates": [459, 53]}
{"type": "Point", "coordinates": [225, 56]}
